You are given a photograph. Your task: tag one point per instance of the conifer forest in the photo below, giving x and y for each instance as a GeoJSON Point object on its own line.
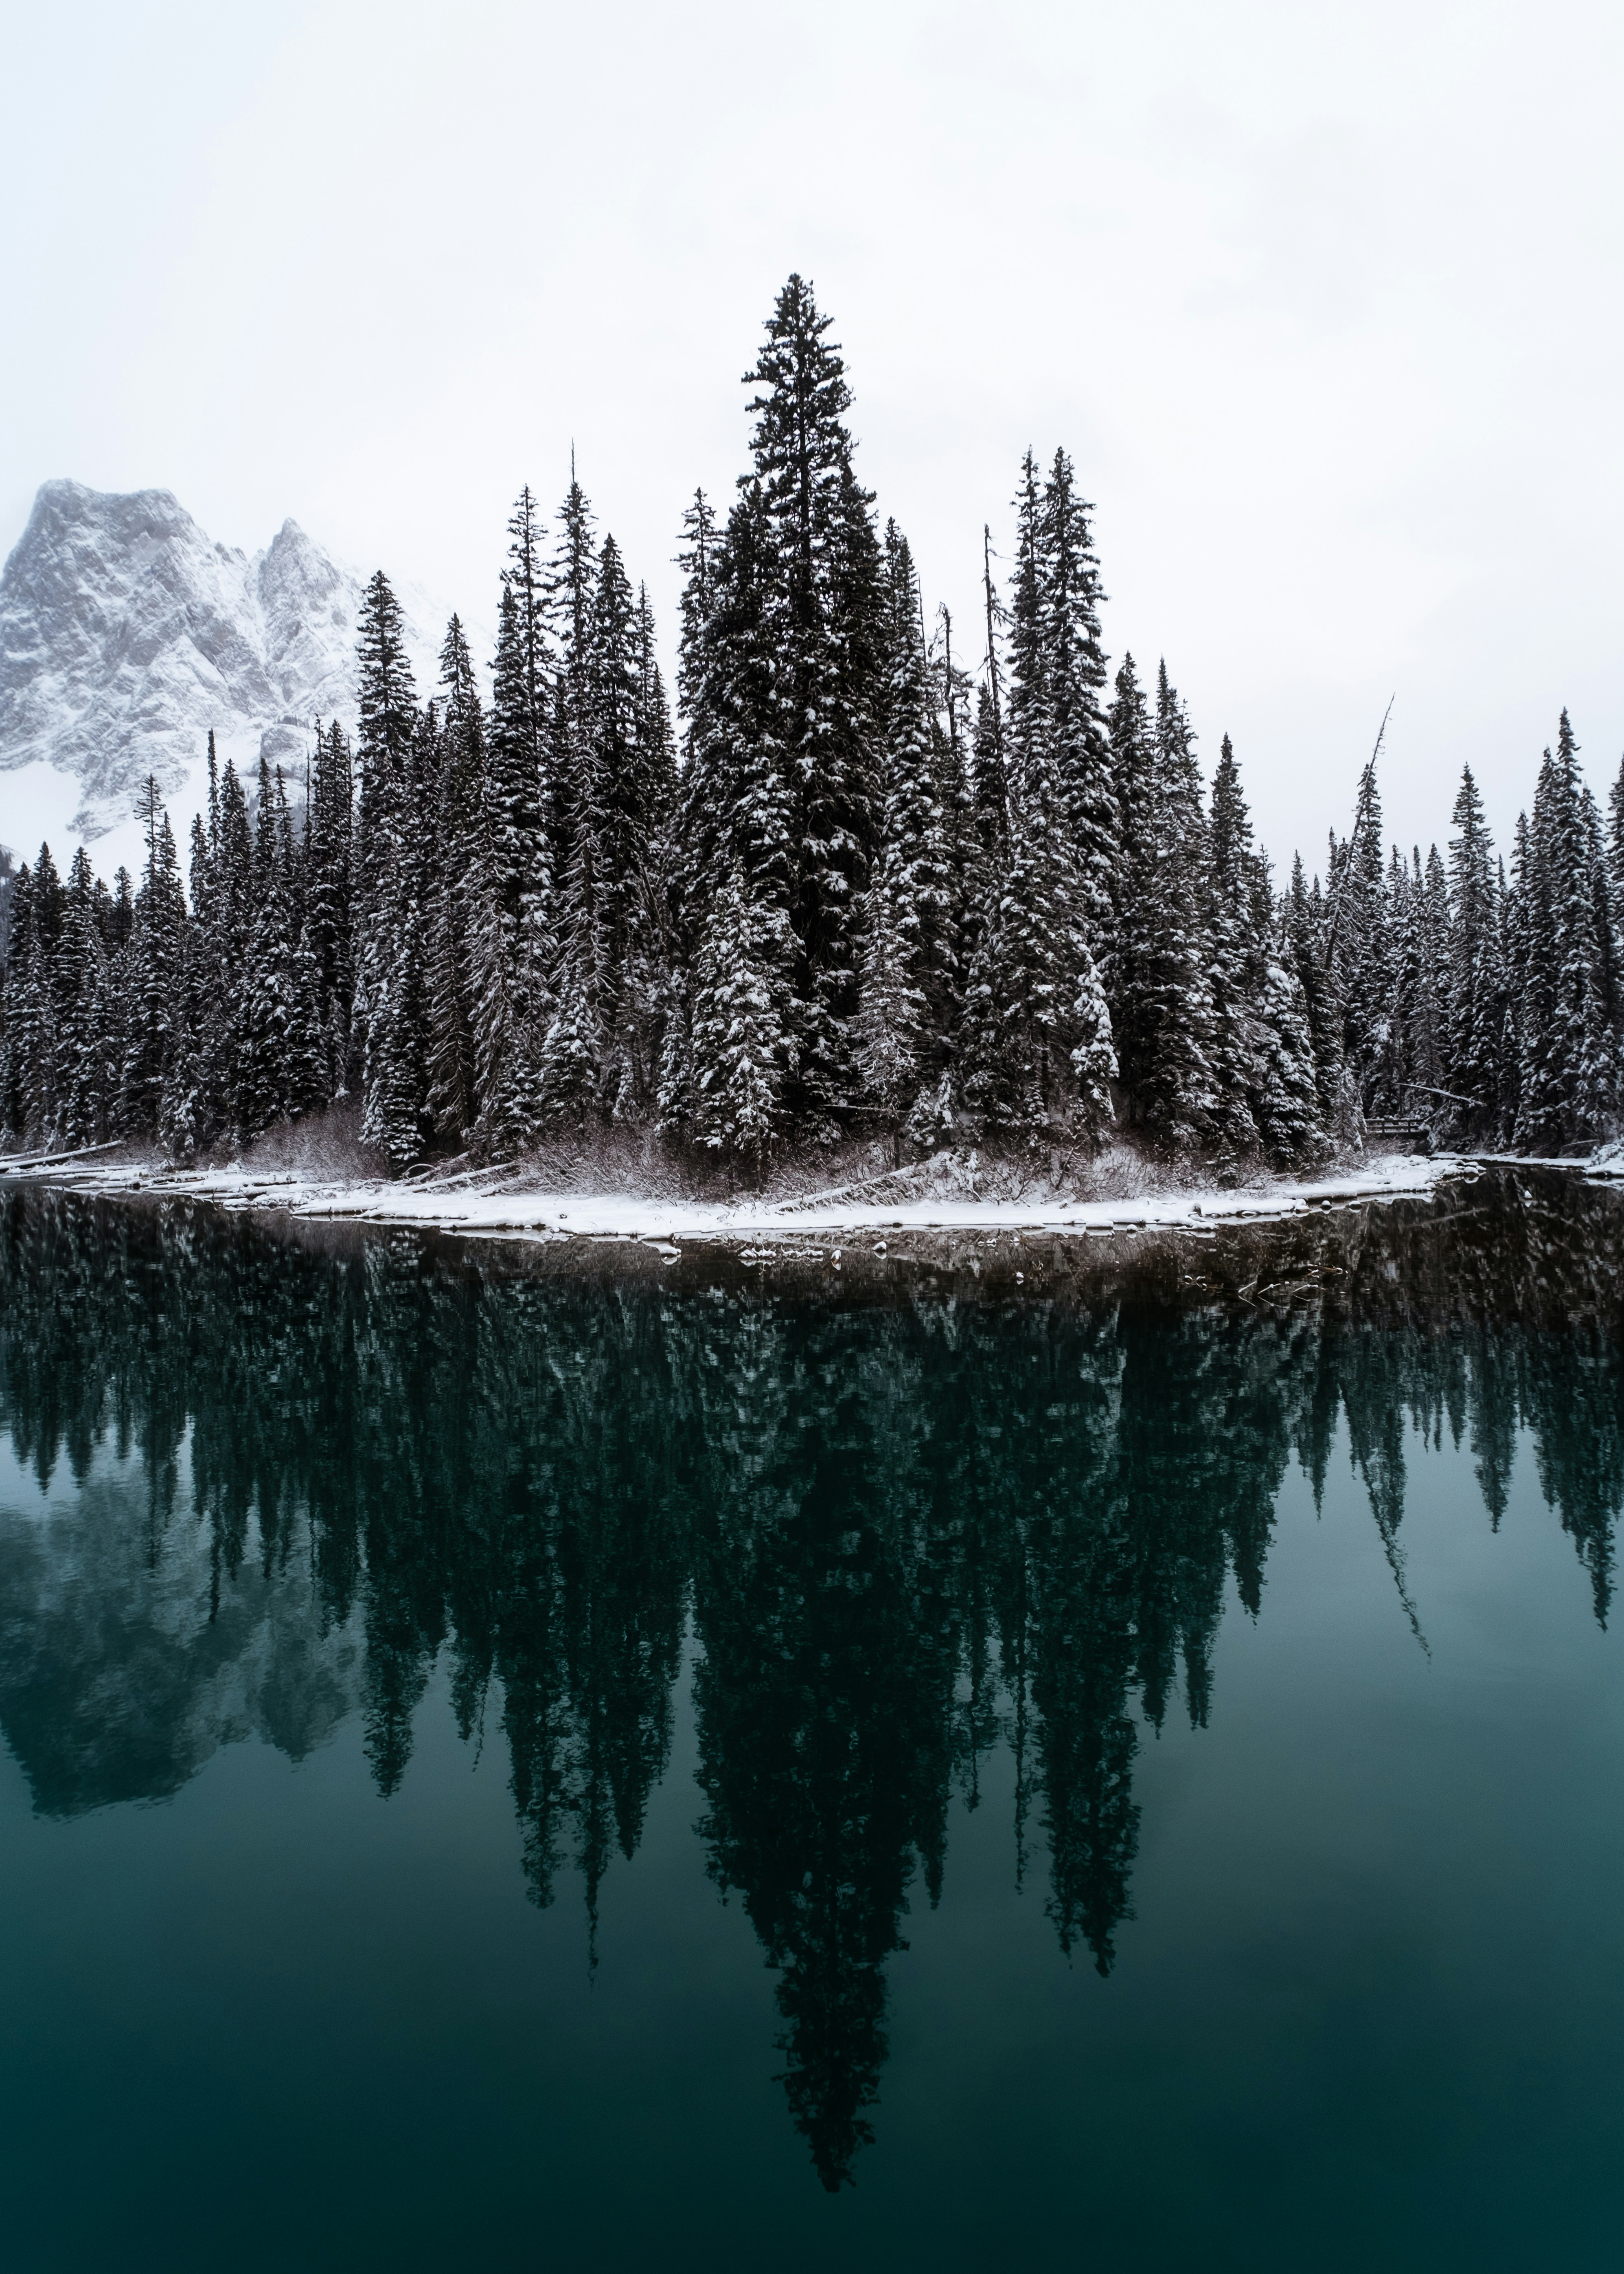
{"type": "Point", "coordinates": [881, 872]}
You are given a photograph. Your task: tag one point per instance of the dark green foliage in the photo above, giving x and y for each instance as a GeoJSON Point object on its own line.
{"type": "Point", "coordinates": [821, 576]}
{"type": "Point", "coordinates": [1569, 1081]}
{"type": "Point", "coordinates": [858, 894]}
{"type": "Point", "coordinates": [1475, 977]}
{"type": "Point", "coordinates": [1159, 985]}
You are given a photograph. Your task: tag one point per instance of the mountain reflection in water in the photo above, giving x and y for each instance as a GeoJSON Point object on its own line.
{"type": "Point", "coordinates": [903, 1523]}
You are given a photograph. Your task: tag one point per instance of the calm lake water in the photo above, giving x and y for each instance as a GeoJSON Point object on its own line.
{"type": "Point", "coordinates": [518, 1760]}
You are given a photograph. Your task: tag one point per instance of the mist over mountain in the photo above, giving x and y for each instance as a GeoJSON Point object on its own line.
{"type": "Point", "coordinates": [126, 633]}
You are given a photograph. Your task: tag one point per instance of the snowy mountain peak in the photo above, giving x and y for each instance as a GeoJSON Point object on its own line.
{"type": "Point", "coordinates": [126, 633]}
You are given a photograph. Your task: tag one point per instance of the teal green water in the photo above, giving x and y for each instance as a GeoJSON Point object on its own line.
{"type": "Point", "coordinates": [521, 1762]}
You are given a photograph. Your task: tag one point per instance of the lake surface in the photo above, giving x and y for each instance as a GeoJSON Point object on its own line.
{"type": "Point", "coordinates": [524, 1758]}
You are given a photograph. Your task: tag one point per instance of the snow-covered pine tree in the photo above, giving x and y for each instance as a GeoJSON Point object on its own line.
{"type": "Point", "coordinates": [989, 810]}
{"type": "Point", "coordinates": [656, 757]}
{"type": "Point", "coordinates": [527, 581]}
{"type": "Point", "coordinates": [696, 542]}
{"type": "Point", "coordinates": [1402, 933]}
{"type": "Point", "coordinates": [952, 709]}
{"type": "Point", "coordinates": [989, 785]}
{"type": "Point", "coordinates": [265, 981]}
{"type": "Point", "coordinates": [460, 896]}
{"type": "Point", "coordinates": [953, 692]}
{"type": "Point", "coordinates": [626, 803]}
{"type": "Point", "coordinates": [19, 1004]}
{"type": "Point", "coordinates": [33, 1074]}
{"type": "Point", "coordinates": [1570, 1084]}
{"type": "Point", "coordinates": [1475, 1015]}
{"type": "Point", "coordinates": [1285, 1103]}
{"type": "Point", "coordinates": [1179, 1090]}
{"type": "Point", "coordinates": [394, 755]}
{"type": "Point", "coordinates": [1358, 942]}
{"type": "Point", "coordinates": [1129, 923]}
{"type": "Point", "coordinates": [1030, 713]}
{"type": "Point", "coordinates": [651, 981]}
{"type": "Point", "coordinates": [698, 817]}
{"type": "Point", "coordinates": [329, 854]}
{"type": "Point", "coordinates": [1236, 1074]}
{"type": "Point", "coordinates": [1069, 595]}
{"type": "Point", "coordinates": [914, 847]}
{"type": "Point", "coordinates": [7, 886]}
{"type": "Point", "coordinates": [1517, 902]}
{"type": "Point", "coordinates": [740, 1051]}
{"type": "Point", "coordinates": [1266, 1080]}
{"type": "Point", "coordinates": [400, 1052]}
{"type": "Point", "coordinates": [196, 1105]}
{"type": "Point", "coordinates": [736, 813]}
{"type": "Point", "coordinates": [206, 1074]}
{"type": "Point", "coordinates": [304, 1083]}
{"type": "Point", "coordinates": [512, 935]}
{"type": "Point", "coordinates": [121, 921]}
{"type": "Point", "coordinates": [74, 974]}
{"type": "Point", "coordinates": [282, 1066]}
{"type": "Point", "coordinates": [1420, 947]}
{"type": "Point", "coordinates": [1039, 1047]}
{"type": "Point", "coordinates": [1430, 1047]}
{"type": "Point", "coordinates": [1305, 937]}
{"type": "Point", "coordinates": [1157, 982]}
{"type": "Point", "coordinates": [892, 1024]}
{"type": "Point", "coordinates": [704, 792]}
{"type": "Point", "coordinates": [614, 801]}
{"type": "Point", "coordinates": [232, 911]}
{"type": "Point", "coordinates": [822, 558]}
{"type": "Point", "coordinates": [570, 1062]}
{"type": "Point", "coordinates": [572, 586]}
{"type": "Point", "coordinates": [99, 1056]}
{"type": "Point", "coordinates": [1609, 948]}
{"type": "Point", "coordinates": [157, 950]}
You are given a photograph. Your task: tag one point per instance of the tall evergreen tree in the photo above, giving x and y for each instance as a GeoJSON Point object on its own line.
{"type": "Point", "coordinates": [1304, 936]}
{"type": "Point", "coordinates": [1473, 1014]}
{"type": "Point", "coordinates": [329, 862]}
{"type": "Point", "coordinates": [1569, 1086]}
{"type": "Point", "coordinates": [820, 545]}
{"type": "Point", "coordinates": [1157, 983]}
{"type": "Point", "coordinates": [737, 813]}
{"type": "Point", "coordinates": [512, 934]}
{"type": "Point", "coordinates": [34, 1071]}
{"type": "Point", "coordinates": [463, 986]}
{"type": "Point", "coordinates": [1039, 1042]}
{"type": "Point", "coordinates": [572, 584]}
{"type": "Point", "coordinates": [156, 950]}
{"type": "Point", "coordinates": [393, 754]}
{"type": "Point", "coordinates": [1359, 951]}
{"type": "Point", "coordinates": [742, 1054]}
{"type": "Point", "coordinates": [916, 901]}
{"type": "Point", "coordinates": [1069, 595]}
{"type": "Point", "coordinates": [1235, 1061]}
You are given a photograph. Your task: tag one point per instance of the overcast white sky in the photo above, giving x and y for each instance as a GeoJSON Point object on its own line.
{"type": "Point", "coordinates": [1323, 299]}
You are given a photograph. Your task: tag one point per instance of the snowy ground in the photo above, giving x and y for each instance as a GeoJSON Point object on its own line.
{"type": "Point", "coordinates": [484, 1203]}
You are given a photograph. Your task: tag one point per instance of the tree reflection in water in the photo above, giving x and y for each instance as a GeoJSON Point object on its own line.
{"type": "Point", "coordinates": [903, 1523]}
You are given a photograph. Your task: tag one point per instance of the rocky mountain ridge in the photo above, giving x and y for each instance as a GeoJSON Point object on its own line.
{"type": "Point", "coordinates": [126, 633]}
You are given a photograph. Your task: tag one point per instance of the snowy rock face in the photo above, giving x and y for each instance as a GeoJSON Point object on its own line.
{"type": "Point", "coordinates": [125, 635]}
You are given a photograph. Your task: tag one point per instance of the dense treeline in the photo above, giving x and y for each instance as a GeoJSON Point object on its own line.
{"type": "Point", "coordinates": [902, 1532]}
{"type": "Point", "coordinates": [863, 889]}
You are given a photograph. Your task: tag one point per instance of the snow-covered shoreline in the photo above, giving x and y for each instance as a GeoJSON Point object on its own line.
{"type": "Point", "coordinates": [457, 1205]}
